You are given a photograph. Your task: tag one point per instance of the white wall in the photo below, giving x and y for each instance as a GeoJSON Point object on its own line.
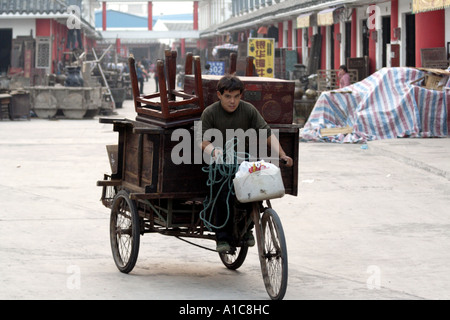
{"type": "Point", "coordinates": [404, 7]}
{"type": "Point", "coordinates": [213, 12]}
{"type": "Point", "coordinates": [304, 47]}
{"type": "Point", "coordinates": [21, 27]}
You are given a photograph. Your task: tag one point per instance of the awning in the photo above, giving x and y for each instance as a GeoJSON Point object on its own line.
{"type": "Point", "coordinates": [224, 50]}
{"type": "Point", "coordinates": [329, 16]}
{"type": "Point", "coordinates": [306, 20]}
{"type": "Point", "coordinates": [429, 5]}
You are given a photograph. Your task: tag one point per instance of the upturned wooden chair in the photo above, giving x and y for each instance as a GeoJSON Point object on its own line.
{"type": "Point", "coordinates": [250, 70]}
{"type": "Point", "coordinates": [168, 107]}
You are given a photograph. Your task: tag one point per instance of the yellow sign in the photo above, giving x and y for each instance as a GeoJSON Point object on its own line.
{"type": "Point", "coordinates": [263, 50]}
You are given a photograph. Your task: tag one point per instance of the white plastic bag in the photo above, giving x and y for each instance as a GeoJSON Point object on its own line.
{"type": "Point", "coordinates": [257, 181]}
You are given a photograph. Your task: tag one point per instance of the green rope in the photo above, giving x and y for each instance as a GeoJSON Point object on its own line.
{"type": "Point", "coordinates": [220, 172]}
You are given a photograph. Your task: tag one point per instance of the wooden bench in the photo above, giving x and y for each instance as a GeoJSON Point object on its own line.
{"type": "Point", "coordinates": [434, 58]}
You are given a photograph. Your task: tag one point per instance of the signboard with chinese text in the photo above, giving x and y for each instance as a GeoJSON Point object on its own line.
{"type": "Point", "coordinates": [263, 50]}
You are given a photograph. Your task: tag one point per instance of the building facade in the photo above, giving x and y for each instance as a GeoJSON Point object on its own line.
{"type": "Point", "coordinates": [37, 34]}
{"type": "Point", "coordinates": [388, 33]}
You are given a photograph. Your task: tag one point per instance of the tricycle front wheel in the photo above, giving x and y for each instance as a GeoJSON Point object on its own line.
{"type": "Point", "coordinates": [273, 254]}
{"type": "Point", "coordinates": [124, 232]}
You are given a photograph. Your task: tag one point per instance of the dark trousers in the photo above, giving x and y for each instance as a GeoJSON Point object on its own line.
{"type": "Point", "coordinates": [157, 82]}
{"type": "Point", "coordinates": [141, 85]}
{"type": "Point", "coordinates": [221, 212]}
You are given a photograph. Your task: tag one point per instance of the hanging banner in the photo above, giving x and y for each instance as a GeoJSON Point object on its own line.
{"type": "Point", "coordinates": [303, 21]}
{"type": "Point", "coordinates": [429, 5]}
{"type": "Point", "coordinates": [263, 50]}
{"type": "Point", "coordinates": [325, 17]}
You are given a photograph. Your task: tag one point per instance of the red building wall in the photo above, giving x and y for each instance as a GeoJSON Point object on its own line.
{"type": "Point", "coordinates": [58, 33]}
{"type": "Point", "coordinates": [430, 31]}
{"type": "Point", "coordinates": [337, 47]}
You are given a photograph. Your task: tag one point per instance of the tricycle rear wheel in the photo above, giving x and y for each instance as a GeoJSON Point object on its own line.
{"type": "Point", "coordinates": [124, 232]}
{"type": "Point", "coordinates": [234, 259]}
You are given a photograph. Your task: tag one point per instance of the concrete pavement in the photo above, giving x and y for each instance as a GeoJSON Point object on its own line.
{"type": "Point", "coordinates": [368, 223]}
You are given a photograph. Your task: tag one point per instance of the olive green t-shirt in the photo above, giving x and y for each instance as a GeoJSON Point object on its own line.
{"type": "Point", "coordinates": [245, 117]}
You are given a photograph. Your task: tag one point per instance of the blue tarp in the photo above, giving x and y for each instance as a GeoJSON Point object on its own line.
{"type": "Point", "coordinates": [384, 105]}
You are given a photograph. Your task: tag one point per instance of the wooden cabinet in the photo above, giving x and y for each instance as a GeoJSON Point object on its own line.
{"type": "Point", "coordinates": [274, 98]}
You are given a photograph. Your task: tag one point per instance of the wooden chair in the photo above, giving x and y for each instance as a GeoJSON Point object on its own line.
{"type": "Point", "coordinates": [162, 108]}
{"type": "Point", "coordinates": [250, 70]}
{"type": "Point", "coordinates": [188, 63]}
{"type": "Point", "coordinates": [233, 63]}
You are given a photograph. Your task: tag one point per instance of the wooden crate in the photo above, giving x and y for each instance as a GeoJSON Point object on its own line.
{"type": "Point", "coordinates": [145, 167]}
{"type": "Point", "coordinates": [20, 105]}
{"type": "Point", "coordinates": [5, 100]}
{"type": "Point", "coordinates": [144, 163]}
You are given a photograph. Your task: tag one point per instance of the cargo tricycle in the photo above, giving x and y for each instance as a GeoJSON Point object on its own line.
{"type": "Point", "coordinates": [148, 193]}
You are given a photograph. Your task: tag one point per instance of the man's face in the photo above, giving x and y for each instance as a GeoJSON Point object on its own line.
{"type": "Point", "coordinates": [229, 100]}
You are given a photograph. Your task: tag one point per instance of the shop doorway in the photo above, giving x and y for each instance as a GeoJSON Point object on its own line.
{"type": "Point", "coordinates": [410, 21]}
{"type": "Point", "coordinates": [332, 66]}
{"type": "Point", "coordinates": [386, 27]}
{"type": "Point", "coordinates": [348, 40]}
{"type": "Point", "coordinates": [5, 49]}
{"type": "Point", "coordinates": [365, 38]}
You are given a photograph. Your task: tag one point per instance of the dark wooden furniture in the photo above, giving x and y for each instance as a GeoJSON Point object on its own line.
{"type": "Point", "coordinates": [434, 58]}
{"type": "Point", "coordinates": [142, 161]}
{"type": "Point", "coordinates": [168, 107]}
{"type": "Point", "coordinates": [250, 70]}
{"type": "Point", "coordinates": [361, 64]}
{"type": "Point", "coordinates": [20, 105]}
{"type": "Point", "coordinates": [274, 98]}
{"type": "Point", "coordinates": [5, 101]}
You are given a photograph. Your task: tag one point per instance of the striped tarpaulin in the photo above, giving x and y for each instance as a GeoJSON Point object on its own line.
{"type": "Point", "coordinates": [384, 105]}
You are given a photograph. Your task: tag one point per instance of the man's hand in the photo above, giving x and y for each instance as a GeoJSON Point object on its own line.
{"type": "Point", "coordinates": [210, 150]}
{"type": "Point", "coordinates": [273, 142]}
{"type": "Point", "coordinates": [287, 160]}
{"type": "Point", "coordinates": [216, 154]}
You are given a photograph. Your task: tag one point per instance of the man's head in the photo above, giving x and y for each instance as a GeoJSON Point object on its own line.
{"type": "Point", "coordinates": [229, 91]}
